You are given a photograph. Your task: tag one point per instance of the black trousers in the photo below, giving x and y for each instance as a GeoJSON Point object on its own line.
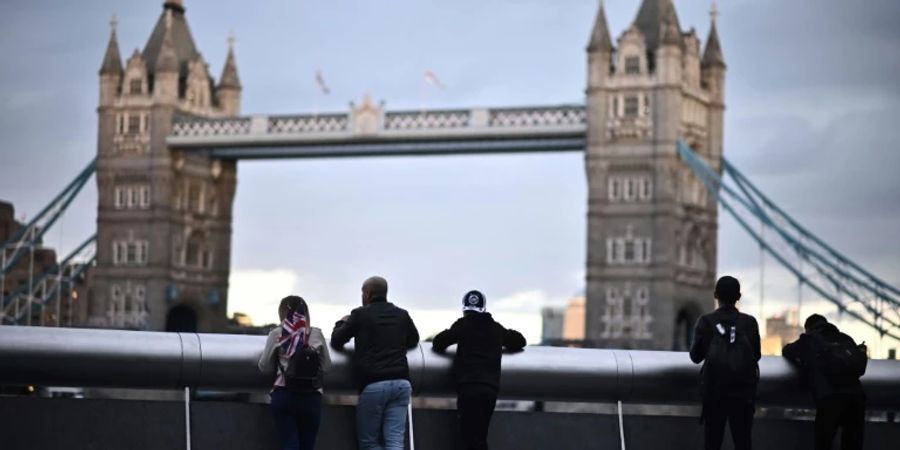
{"type": "Point", "coordinates": [474, 407]}
{"type": "Point", "coordinates": [847, 412]}
{"type": "Point", "coordinates": [738, 412]}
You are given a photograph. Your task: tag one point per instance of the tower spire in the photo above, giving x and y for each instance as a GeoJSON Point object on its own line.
{"type": "Point", "coordinates": [712, 54]}
{"type": "Point", "coordinates": [112, 61]}
{"type": "Point", "coordinates": [168, 59]}
{"type": "Point", "coordinates": [229, 78]}
{"type": "Point", "coordinates": [669, 33]}
{"type": "Point", "coordinates": [600, 39]}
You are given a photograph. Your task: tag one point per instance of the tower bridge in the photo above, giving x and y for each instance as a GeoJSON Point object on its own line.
{"type": "Point", "coordinates": [172, 135]}
{"type": "Point", "coordinates": [170, 138]}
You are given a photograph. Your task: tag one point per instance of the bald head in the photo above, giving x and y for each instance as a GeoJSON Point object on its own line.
{"type": "Point", "coordinates": [374, 288]}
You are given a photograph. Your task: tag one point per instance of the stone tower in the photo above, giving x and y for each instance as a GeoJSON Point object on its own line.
{"type": "Point", "coordinates": [651, 224]}
{"type": "Point", "coordinates": [163, 218]}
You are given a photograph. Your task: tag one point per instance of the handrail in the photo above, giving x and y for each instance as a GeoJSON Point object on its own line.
{"type": "Point", "coordinates": [143, 359]}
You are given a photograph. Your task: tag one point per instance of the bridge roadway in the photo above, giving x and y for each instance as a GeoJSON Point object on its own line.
{"type": "Point", "coordinates": [373, 132]}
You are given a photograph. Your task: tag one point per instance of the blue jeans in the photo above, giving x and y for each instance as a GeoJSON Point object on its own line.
{"type": "Point", "coordinates": [381, 415]}
{"type": "Point", "coordinates": [297, 417]}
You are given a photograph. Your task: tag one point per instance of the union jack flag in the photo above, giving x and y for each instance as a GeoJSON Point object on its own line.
{"type": "Point", "coordinates": [294, 333]}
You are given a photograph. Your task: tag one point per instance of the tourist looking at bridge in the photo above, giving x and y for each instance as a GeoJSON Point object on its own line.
{"type": "Point", "coordinates": [476, 366]}
{"type": "Point", "coordinates": [831, 364]}
{"type": "Point", "coordinates": [727, 342]}
{"type": "Point", "coordinates": [298, 356]}
{"type": "Point", "coordinates": [382, 334]}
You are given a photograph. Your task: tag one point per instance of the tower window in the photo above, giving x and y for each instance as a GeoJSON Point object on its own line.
{"type": "Point", "coordinates": [134, 124]}
{"type": "Point", "coordinates": [135, 86]}
{"type": "Point", "coordinates": [131, 252]}
{"type": "Point", "coordinates": [632, 65]}
{"type": "Point", "coordinates": [631, 106]}
{"type": "Point", "coordinates": [628, 250]}
{"type": "Point", "coordinates": [630, 188]}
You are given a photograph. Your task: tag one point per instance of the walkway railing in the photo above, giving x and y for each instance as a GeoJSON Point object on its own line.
{"type": "Point", "coordinates": [138, 359]}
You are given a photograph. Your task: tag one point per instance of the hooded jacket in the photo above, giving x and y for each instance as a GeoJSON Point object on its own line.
{"type": "Point", "coordinates": [802, 353]}
{"type": "Point", "coordinates": [480, 343]}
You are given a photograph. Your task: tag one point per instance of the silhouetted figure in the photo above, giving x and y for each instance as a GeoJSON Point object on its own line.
{"type": "Point", "coordinates": [382, 334]}
{"type": "Point", "coordinates": [297, 354]}
{"type": "Point", "coordinates": [728, 343]}
{"type": "Point", "coordinates": [831, 364]}
{"type": "Point", "coordinates": [476, 366]}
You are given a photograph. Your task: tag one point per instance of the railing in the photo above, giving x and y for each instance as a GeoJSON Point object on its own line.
{"type": "Point", "coordinates": [113, 358]}
{"type": "Point", "coordinates": [190, 127]}
{"type": "Point", "coordinates": [187, 130]}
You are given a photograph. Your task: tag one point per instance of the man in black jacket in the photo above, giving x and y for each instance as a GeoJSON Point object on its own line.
{"type": "Point", "coordinates": [382, 334]}
{"type": "Point", "coordinates": [840, 400]}
{"type": "Point", "coordinates": [476, 366]}
{"type": "Point", "coordinates": [728, 342]}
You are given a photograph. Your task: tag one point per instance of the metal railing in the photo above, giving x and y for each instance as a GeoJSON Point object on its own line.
{"type": "Point", "coordinates": [140, 359]}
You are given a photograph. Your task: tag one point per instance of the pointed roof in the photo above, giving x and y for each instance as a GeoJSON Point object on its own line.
{"type": "Point", "coordinates": [167, 60]}
{"type": "Point", "coordinates": [112, 61]}
{"type": "Point", "coordinates": [230, 78]}
{"type": "Point", "coordinates": [670, 33]}
{"type": "Point", "coordinates": [712, 55]}
{"type": "Point", "coordinates": [600, 39]}
{"type": "Point", "coordinates": [182, 42]}
{"type": "Point", "coordinates": [650, 18]}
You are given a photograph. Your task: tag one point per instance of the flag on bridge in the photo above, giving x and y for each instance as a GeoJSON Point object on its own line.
{"type": "Point", "coordinates": [320, 80]}
{"type": "Point", "coordinates": [432, 79]}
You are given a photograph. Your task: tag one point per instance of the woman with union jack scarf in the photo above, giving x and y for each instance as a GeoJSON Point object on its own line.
{"type": "Point", "coordinates": [297, 390]}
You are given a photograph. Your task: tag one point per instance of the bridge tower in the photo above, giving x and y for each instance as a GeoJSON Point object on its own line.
{"type": "Point", "coordinates": [651, 261]}
{"type": "Point", "coordinates": [163, 218]}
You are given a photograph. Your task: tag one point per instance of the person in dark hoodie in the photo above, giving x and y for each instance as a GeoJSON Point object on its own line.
{"type": "Point", "coordinates": [476, 366]}
{"type": "Point", "coordinates": [839, 397]}
{"type": "Point", "coordinates": [727, 342]}
{"type": "Point", "coordinates": [382, 334]}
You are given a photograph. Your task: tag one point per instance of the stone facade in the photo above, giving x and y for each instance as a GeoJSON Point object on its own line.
{"type": "Point", "coordinates": [163, 218]}
{"type": "Point", "coordinates": [651, 224]}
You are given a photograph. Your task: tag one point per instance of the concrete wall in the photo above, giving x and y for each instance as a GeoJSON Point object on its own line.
{"type": "Point", "coordinates": [101, 424]}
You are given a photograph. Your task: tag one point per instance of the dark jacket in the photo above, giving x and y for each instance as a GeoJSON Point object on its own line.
{"type": "Point", "coordinates": [802, 353]}
{"type": "Point", "coordinates": [703, 334]}
{"type": "Point", "coordinates": [382, 335]}
{"type": "Point", "coordinates": [481, 342]}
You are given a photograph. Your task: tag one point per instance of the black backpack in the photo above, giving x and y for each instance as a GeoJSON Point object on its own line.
{"type": "Point", "coordinates": [730, 359]}
{"type": "Point", "coordinates": [302, 370]}
{"type": "Point", "coordinates": [840, 361]}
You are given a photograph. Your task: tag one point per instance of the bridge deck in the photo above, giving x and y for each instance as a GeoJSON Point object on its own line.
{"type": "Point", "coordinates": [372, 132]}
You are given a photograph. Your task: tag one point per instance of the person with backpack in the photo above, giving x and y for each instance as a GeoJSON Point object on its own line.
{"type": "Point", "coordinates": [296, 353]}
{"type": "Point", "coordinates": [727, 342]}
{"type": "Point", "coordinates": [382, 334]}
{"type": "Point", "coordinates": [831, 364]}
{"type": "Point", "coordinates": [476, 366]}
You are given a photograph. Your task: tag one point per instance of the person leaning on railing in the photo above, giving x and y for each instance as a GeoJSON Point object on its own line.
{"type": "Point", "coordinates": [298, 356]}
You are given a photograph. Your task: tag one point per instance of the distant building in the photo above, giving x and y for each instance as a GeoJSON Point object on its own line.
{"type": "Point", "coordinates": [71, 311]}
{"type": "Point", "coordinates": [573, 322]}
{"type": "Point", "coordinates": [552, 320]}
{"type": "Point", "coordinates": [780, 330]}
{"type": "Point", "coordinates": [564, 325]}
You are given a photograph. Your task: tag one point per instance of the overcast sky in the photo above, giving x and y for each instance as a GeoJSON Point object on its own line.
{"type": "Point", "coordinates": [812, 107]}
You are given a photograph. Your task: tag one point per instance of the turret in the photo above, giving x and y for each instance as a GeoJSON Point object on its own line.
{"type": "Point", "coordinates": [165, 83]}
{"type": "Point", "coordinates": [111, 70]}
{"type": "Point", "coordinates": [599, 51]}
{"type": "Point", "coordinates": [713, 63]}
{"type": "Point", "coordinates": [712, 76]}
{"type": "Point", "coordinates": [229, 89]}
